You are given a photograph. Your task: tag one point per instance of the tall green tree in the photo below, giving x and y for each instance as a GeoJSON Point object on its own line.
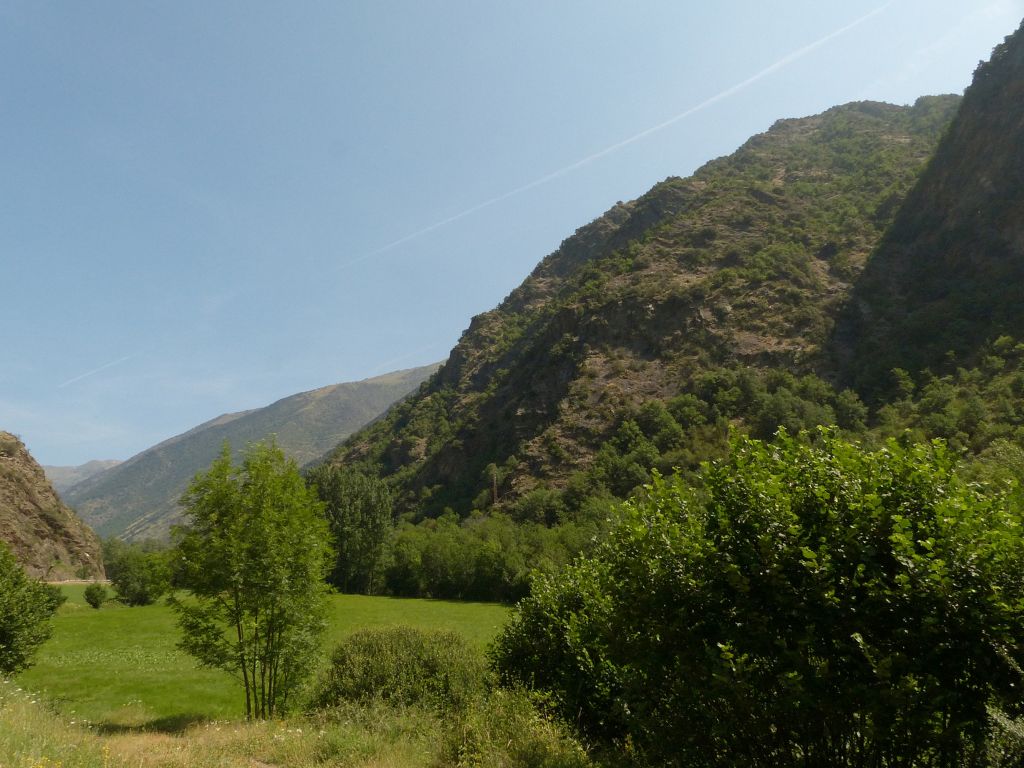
{"type": "Point", "coordinates": [359, 512]}
{"type": "Point", "coordinates": [254, 557]}
{"type": "Point", "coordinates": [25, 610]}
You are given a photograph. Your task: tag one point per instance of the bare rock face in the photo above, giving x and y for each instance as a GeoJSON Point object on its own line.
{"type": "Point", "coordinates": [47, 538]}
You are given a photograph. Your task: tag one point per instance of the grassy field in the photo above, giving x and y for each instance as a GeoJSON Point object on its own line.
{"type": "Point", "coordinates": [502, 731]}
{"type": "Point", "coordinates": [118, 669]}
{"type": "Point", "coordinates": [110, 690]}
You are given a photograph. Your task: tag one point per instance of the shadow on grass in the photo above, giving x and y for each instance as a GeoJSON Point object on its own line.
{"type": "Point", "coordinates": [173, 724]}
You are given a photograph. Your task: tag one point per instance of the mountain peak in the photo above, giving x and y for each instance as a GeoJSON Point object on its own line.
{"type": "Point", "coordinates": [745, 262]}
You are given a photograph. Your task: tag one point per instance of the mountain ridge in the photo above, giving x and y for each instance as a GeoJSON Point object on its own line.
{"type": "Point", "coordinates": [138, 498]}
{"type": "Point", "coordinates": [64, 477]}
{"type": "Point", "coordinates": [745, 262]}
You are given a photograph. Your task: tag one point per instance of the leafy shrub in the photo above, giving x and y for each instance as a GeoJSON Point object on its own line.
{"type": "Point", "coordinates": [1005, 748]}
{"type": "Point", "coordinates": [505, 730]}
{"type": "Point", "coordinates": [25, 610]}
{"type": "Point", "coordinates": [139, 574]}
{"type": "Point", "coordinates": [808, 604]}
{"type": "Point", "coordinates": [405, 666]}
{"type": "Point", "coordinates": [95, 595]}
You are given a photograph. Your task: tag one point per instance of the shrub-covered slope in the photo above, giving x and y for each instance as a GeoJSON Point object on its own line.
{"type": "Point", "coordinates": [139, 498]}
{"type": "Point", "coordinates": [949, 275]}
{"type": "Point", "coordinates": [743, 264]}
{"type": "Point", "coordinates": [47, 538]}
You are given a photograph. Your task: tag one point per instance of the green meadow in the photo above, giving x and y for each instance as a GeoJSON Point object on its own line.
{"type": "Point", "coordinates": [118, 667]}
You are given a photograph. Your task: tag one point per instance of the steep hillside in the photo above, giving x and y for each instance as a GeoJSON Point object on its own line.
{"type": "Point", "coordinates": [45, 536]}
{"type": "Point", "coordinates": [743, 264]}
{"type": "Point", "coordinates": [949, 275]}
{"type": "Point", "coordinates": [139, 498]}
{"type": "Point", "coordinates": [63, 478]}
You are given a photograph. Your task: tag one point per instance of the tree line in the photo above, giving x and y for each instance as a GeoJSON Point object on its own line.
{"type": "Point", "coordinates": [491, 551]}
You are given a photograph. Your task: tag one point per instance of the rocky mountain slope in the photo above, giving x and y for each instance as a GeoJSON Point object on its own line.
{"type": "Point", "coordinates": [949, 276]}
{"type": "Point", "coordinates": [139, 498]}
{"type": "Point", "coordinates": [47, 538]}
{"type": "Point", "coordinates": [746, 263]}
{"type": "Point", "coordinates": [64, 478]}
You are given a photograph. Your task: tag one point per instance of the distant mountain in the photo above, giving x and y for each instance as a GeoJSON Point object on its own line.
{"type": "Point", "coordinates": [47, 538]}
{"type": "Point", "coordinates": [745, 264]}
{"type": "Point", "coordinates": [63, 478]}
{"type": "Point", "coordinates": [139, 497]}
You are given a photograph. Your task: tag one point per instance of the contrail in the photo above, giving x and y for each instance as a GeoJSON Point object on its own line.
{"type": "Point", "coordinates": [93, 372]}
{"type": "Point", "coordinates": [731, 91]}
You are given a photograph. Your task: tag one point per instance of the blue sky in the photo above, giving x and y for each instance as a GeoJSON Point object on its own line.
{"type": "Point", "coordinates": [207, 206]}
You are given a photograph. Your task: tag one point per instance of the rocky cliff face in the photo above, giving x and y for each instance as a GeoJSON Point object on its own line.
{"type": "Point", "coordinates": [949, 275]}
{"type": "Point", "coordinates": [47, 538]}
{"type": "Point", "coordinates": [746, 262]}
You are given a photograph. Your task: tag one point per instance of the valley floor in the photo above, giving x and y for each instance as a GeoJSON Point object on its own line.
{"type": "Point", "coordinates": [110, 689]}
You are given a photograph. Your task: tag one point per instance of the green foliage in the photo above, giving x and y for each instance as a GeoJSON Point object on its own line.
{"type": "Point", "coordinates": [692, 426]}
{"type": "Point", "coordinates": [254, 558]}
{"type": "Point", "coordinates": [121, 665]}
{"type": "Point", "coordinates": [1005, 746]}
{"type": "Point", "coordinates": [95, 595]}
{"type": "Point", "coordinates": [404, 666]}
{"type": "Point", "coordinates": [808, 603]}
{"type": "Point", "coordinates": [140, 573]}
{"type": "Point", "coordinates": [506, 730]}
{"type": "Point", "coordinates": [481, 558]}
{"type": "Point", "coordinates": [25, 610]}
{"type": "Point", "coordinates": [975, 410]}
{"type": "Point", "coordinates": [359, 513]}
{"type": "Point", "coordinates": [541, 505]}
{"type": "Point", "coordinates": [972, 408]}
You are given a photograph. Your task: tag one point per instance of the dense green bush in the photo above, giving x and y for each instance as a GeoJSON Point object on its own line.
{"type": "Point", "coordinates": [95, 594]}
{"type": "Point", "coordinates": [139, 573]}
{"type": "Point", "coordinates": [404, 666]}
{"type": "Point", "coordinates": [810, 603]}
{"type": "Point", "coordinates": [25, 610]}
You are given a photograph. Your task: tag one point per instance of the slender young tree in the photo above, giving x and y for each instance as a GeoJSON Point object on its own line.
{"type": "Point", "coordinates": [254, 558]}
